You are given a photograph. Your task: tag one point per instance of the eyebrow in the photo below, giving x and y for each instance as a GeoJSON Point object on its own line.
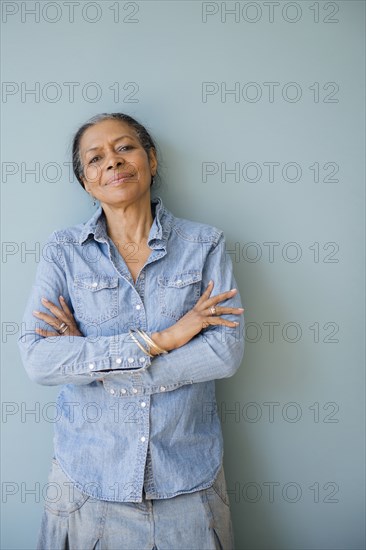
{"type": "Point", "coordinates": [114, 141]}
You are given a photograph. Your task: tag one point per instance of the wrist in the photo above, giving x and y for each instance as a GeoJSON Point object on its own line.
{"type": "Point", "coordinates": [163, 339]}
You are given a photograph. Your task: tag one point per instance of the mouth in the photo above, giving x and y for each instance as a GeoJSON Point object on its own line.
{"type": "Point", "coordinates": [119, 178]}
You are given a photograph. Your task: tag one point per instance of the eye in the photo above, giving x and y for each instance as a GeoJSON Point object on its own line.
{"type": "Point", "coordinates": [93, 159]}
{"type": "Point", "coordinates": [126, 147]}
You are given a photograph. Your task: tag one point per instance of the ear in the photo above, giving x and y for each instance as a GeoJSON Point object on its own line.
{"type": "Point", "coordinates": [153, 161]}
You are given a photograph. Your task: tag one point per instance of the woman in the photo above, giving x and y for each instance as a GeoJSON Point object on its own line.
{"type": "Point", "coordinates": [123, 317]}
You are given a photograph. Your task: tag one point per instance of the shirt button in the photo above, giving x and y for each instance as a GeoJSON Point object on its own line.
{"type": "Point", "coordinates": [143, 404]}
{"type": "Point", "coordinates": [134, 390]}
{"type": "Point", "coordinates": [163, 388]}
{"type": "Point", "coordinates": [142, 359]}
{"type": "Point", "coordinates": [112, 391]}
{"type": "Point", "coordinates": [179, 281]}
{"type": "Point", "coordinates": [138, 306]}
{"type": "Point", "coordinates": [94, 284]}
{"type": "Point", "coordinates": [143, 439]}
{"type": "Point", "coordinates": [118, 360]}
{"type": "Point", "coordinates": [91, 366]}
{"type": "Point", "coordinates": [123, 390]}
{"type": "Point", "coordinates": [130, 359]}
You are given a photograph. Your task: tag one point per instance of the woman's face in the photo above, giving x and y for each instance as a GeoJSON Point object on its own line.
{"type": "Point", "coordinates": [116, 167]}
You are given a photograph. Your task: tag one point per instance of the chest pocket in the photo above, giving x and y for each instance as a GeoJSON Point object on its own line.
{"type": "Point", "coordinates": [96, 297]}
{"type": "Point", "coordinates": [179, 293]}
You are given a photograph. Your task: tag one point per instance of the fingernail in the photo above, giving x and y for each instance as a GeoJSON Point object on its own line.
{"type": "Point", "coordinates": [210, 282]}
{"type": "Point", "coordinates": [61, 298]}
{"type": "Point", "coordinates": [232, 290]}
{"type": "Point", "coordinates": [44, 299]}
{"type": "Point", "coordinates": [240, 308]}
{"type": "Point", "coordinates": [36, 311]}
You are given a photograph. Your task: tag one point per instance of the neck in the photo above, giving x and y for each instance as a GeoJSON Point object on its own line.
{"type": "Point", "coordinates": [129, 222]}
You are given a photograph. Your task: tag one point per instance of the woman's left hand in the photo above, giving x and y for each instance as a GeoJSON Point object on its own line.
{"type": "Point", "coordinates": [61, 315]}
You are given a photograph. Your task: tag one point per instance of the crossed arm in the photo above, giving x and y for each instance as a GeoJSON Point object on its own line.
{"type": "Point", "coordinates": [201, 347]}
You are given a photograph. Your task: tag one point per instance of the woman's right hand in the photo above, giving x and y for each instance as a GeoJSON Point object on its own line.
{"type": "Point", "coordinates": [196, 319]}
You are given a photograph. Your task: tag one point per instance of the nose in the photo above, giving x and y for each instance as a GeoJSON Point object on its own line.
{"type": "Point", "coordinates": [113, 164]}
{"type": "Point", "coordinates": [114, 161]}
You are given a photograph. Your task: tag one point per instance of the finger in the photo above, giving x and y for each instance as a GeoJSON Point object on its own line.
{"type": "Point", "coordinates": [205, 295]}
{"type": "Point", "coordinates": [68, 313]}
{"type": "Point", "coordinates": [54, 309]}
{"type": "Point", "coordinates": [208, 289]}
{"type": "Point", "coordinates": [44, 332]}
{"type": "Point", "coordinates": [64, 306]}
{"type": "Point", "coordinates": [220, 321]}
{"type": "Point", "coordinates": [52, 321]}
{"type": "Point", "coordinates": [220, 297]}
{"type": "Point", "coordinates": [220, 310]}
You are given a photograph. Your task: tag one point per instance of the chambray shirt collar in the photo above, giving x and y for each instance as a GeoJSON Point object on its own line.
{"type": "Point", "coordinates": [159, 231]}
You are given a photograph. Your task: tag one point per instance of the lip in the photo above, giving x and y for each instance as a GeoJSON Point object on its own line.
{"type": "Point", "coordinates": [122, 176]}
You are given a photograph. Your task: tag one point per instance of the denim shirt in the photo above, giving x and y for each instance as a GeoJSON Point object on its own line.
{"type": "Point", "coordinates": [131, 426]}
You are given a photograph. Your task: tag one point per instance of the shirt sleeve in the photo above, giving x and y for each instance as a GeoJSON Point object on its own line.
{"type": "Point", "coordinates": [216, 352]}
{"type": "Point", "coordinates": [69, 359]}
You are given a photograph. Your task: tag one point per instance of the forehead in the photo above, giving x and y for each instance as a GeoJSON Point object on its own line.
{"type": "Point", "coordinates": [106, 130]}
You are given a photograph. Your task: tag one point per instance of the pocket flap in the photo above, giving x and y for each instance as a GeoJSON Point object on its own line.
{"type": "Point", "coordinates": [95, 282]}
{"type": "Point", "coordinates": [181, 279]}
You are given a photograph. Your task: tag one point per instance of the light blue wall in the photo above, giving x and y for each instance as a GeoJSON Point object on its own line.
{"type": "Point", "coordinates": [295, 443]}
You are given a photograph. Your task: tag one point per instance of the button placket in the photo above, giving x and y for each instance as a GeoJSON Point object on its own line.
{"type": "Point", "coordinates": [145, 422]}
